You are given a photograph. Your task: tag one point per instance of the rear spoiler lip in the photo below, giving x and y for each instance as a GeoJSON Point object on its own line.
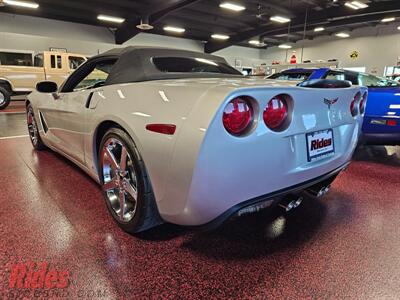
{"type": "Point", "coordinates": [325, 84]}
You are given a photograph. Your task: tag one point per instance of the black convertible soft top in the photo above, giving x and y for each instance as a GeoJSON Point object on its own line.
{"type": "Point", "coordinates": [137, 63]}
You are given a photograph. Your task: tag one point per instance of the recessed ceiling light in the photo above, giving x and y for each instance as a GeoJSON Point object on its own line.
{"type": "Point", "coordinates": [232, 6]}
{"type": "Point", "coordinates": [220, 36]}
{"type": "Point", "coordinates": [398, 28]}
{"type": "Point", "coordinates": [285, 46]}
{"type": "Point", "coordinates": [110, 19]}
{"type": "Point", "coordinates": [386, 20]}
{"type": "Point", "coordinates": [356, 4]}
{"type": "Point", "coordinates": [342, 35]}
{"type": "Point", "coordinates": [279, 19]}
{"type": "Point", "coordinates": [21, 3]}
{"type": "Point", "coordinates": [174, 29]}
{"type": "Point", "coordinates": [257, 43]}
{"type": "Point", "coordinates": [318, 29]}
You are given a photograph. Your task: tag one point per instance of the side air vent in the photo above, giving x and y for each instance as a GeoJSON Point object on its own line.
{"type": "Point", "coordinates": [44, 125]}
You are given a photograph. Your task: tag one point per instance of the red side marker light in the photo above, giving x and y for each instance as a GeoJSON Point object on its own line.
{"type": "Point", "coordinates": [391, 123]}
{"type": "Point", "coordinates": [168, 129]}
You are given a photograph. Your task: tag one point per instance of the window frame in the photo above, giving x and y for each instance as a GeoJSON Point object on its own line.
{"type": "Point", "coordinates": [83, 71]}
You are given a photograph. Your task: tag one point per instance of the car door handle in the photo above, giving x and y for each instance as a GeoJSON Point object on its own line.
{"type": "Point", "coordinates": [89, 99]}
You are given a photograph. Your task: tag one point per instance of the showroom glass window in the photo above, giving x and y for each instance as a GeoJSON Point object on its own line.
{"type": "Point", "coordinates": [74, 62]}
{"type": "Point", "coordinates": [192, 65]}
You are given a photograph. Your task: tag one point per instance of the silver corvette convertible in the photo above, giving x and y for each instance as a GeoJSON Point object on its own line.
{"type": "Point", "coordinates": [182, 137]}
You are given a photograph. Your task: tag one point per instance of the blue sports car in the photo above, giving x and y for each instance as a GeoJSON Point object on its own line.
{"type": "Point", "coordinates": [382, 115]}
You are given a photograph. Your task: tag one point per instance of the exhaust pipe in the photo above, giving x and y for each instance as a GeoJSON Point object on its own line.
{"type": "Point", "coordinates": [289, 204]}
{"type": "Point", "coordinates": [319, 192]}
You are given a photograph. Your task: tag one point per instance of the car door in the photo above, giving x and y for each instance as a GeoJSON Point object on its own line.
{"type": "Point", "coordinates": [65, 117]}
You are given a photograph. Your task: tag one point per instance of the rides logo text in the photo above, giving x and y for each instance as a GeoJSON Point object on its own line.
{"type": "Point", "coordinates": [37, 276]}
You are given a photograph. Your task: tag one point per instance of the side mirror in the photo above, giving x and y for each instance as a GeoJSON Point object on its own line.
{"type": "Point", "coordinates": [47, 87]}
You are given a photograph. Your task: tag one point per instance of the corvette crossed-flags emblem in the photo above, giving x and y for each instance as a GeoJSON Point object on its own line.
{"type": "Point", "coordinates": [330, 102]}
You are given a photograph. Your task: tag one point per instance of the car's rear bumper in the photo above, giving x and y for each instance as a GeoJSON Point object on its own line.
{"type": "Point", "coordinates": [380, 138]}
{"type": "Point", "coordinates": [265, 201]}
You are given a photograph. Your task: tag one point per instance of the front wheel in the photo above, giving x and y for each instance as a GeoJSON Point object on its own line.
{"type": "Point", "coordinates": [126, 187]}
{"type": "Point", "coordinates": [33, 129]}
{"type": "Point", "coordinates": [5, 98]}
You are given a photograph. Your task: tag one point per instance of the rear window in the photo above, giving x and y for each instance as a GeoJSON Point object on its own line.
{"type": "Point", "coordinates": [298, 76]}
{"type": "Point", "coordinates": [192, 65]}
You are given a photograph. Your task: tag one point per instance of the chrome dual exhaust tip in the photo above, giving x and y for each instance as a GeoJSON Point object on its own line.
{"type": "Point", "coordinates": [319, 192]}
{"type": "Point", "coordinates": [291, 203]}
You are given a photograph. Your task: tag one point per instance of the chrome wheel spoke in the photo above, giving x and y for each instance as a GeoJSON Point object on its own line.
{"type": "Point", "coordinates": [110, 185]}
{"type": "Point", "coordinates": [124, 156]}
{"type": "Point", "coordinates": [130, 189]}
{"type": "Point", "coordinates": [120, 183]}
{"type": "Point", "coordinates": [122, 204]}
{"type": "Point", "coordinates": [111, 158]}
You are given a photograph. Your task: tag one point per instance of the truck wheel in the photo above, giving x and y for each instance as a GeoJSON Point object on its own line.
{"type": "Point", "coordinates": [5, 97]}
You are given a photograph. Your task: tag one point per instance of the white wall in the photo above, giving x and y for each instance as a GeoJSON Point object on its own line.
{"type": "Point", "coordinates": [377, 46]}
{"type": "Point", "coordinates": [249, 57]}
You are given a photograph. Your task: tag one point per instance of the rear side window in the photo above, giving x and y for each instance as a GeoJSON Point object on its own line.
{"type": "Point", "coordinates": [59, 62]}
{"type": "Point", "coordinates": [335, 75]}
{"type": "Point", "coordinates": [15, 59]}
{"type": "Point", "coordinates": [38, 61]}
{"type": "Point", "coordinates": [298, 76]}
{"type": "Point", "coordinates": [192, 65]}
{"type": "Point", "coordinates": [53, 61]}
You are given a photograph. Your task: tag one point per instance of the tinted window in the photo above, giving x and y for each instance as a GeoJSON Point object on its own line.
{"type": "Point", "coordinates": [53, 61]}
{"type": "Point", "coordinates": [298, 76]}
{"type": "Point", "coordinates": [75, 62]}
{"type": "Point", "coordinates": [15, 59]}
{"type": "Point", "coordinates": [97, 76]}
{"type": "Point", "coordinates": [375, 81]}
{"type": "Point", "coordinates": [192, 65]}
{"type": "Point", "coordinates": [59, 64]}
{"type": "Point", "coordinates": [335, 75]}
{"type": "Point", "coordinates": [38, 62]}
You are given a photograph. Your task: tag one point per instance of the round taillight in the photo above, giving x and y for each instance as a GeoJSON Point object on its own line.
{"type": "Point", "coordinates": [363, 103]}
{"type": "Point", "coordinates": [238, 116]}
{"type": "Point", "coordinates": [354, 104]}
{"type": "Point", "coordinates": [275, 113]}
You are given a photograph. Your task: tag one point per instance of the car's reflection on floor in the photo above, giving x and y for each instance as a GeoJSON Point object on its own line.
{"type": "Point", "coordinates": [388, 155]}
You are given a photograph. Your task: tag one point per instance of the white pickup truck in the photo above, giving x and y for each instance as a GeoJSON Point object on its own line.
{"type": "Point", "coordinates": [52, 66]}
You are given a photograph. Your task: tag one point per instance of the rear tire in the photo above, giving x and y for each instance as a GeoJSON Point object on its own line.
{"type": "Point", "coordinates": [33, 129]}
{"type": "Point", "coordinates": [125, 183]}
{"type": "Point", "coordinates": [5, 97]}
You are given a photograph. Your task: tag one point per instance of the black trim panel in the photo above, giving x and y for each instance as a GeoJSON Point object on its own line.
{"type": "Point", "coordinates": [392, 139]}
{"type": "Point", "coordinates": [271, 196]}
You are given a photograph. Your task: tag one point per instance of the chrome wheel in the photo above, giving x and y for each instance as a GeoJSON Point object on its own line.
{"type": "Point", "coordinates": [119, 179]}
{"type": "Point", "coordinates": [32, 127]}
{"type": "Point", "coordinates": [2, 98]}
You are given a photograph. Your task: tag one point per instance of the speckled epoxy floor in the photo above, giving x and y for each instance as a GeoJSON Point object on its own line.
{"type": "Point", "coordinates": [345, 246]}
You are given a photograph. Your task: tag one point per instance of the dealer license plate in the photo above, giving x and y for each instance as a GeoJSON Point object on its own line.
{"type": "Point", "coordinates": [320, 144]}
